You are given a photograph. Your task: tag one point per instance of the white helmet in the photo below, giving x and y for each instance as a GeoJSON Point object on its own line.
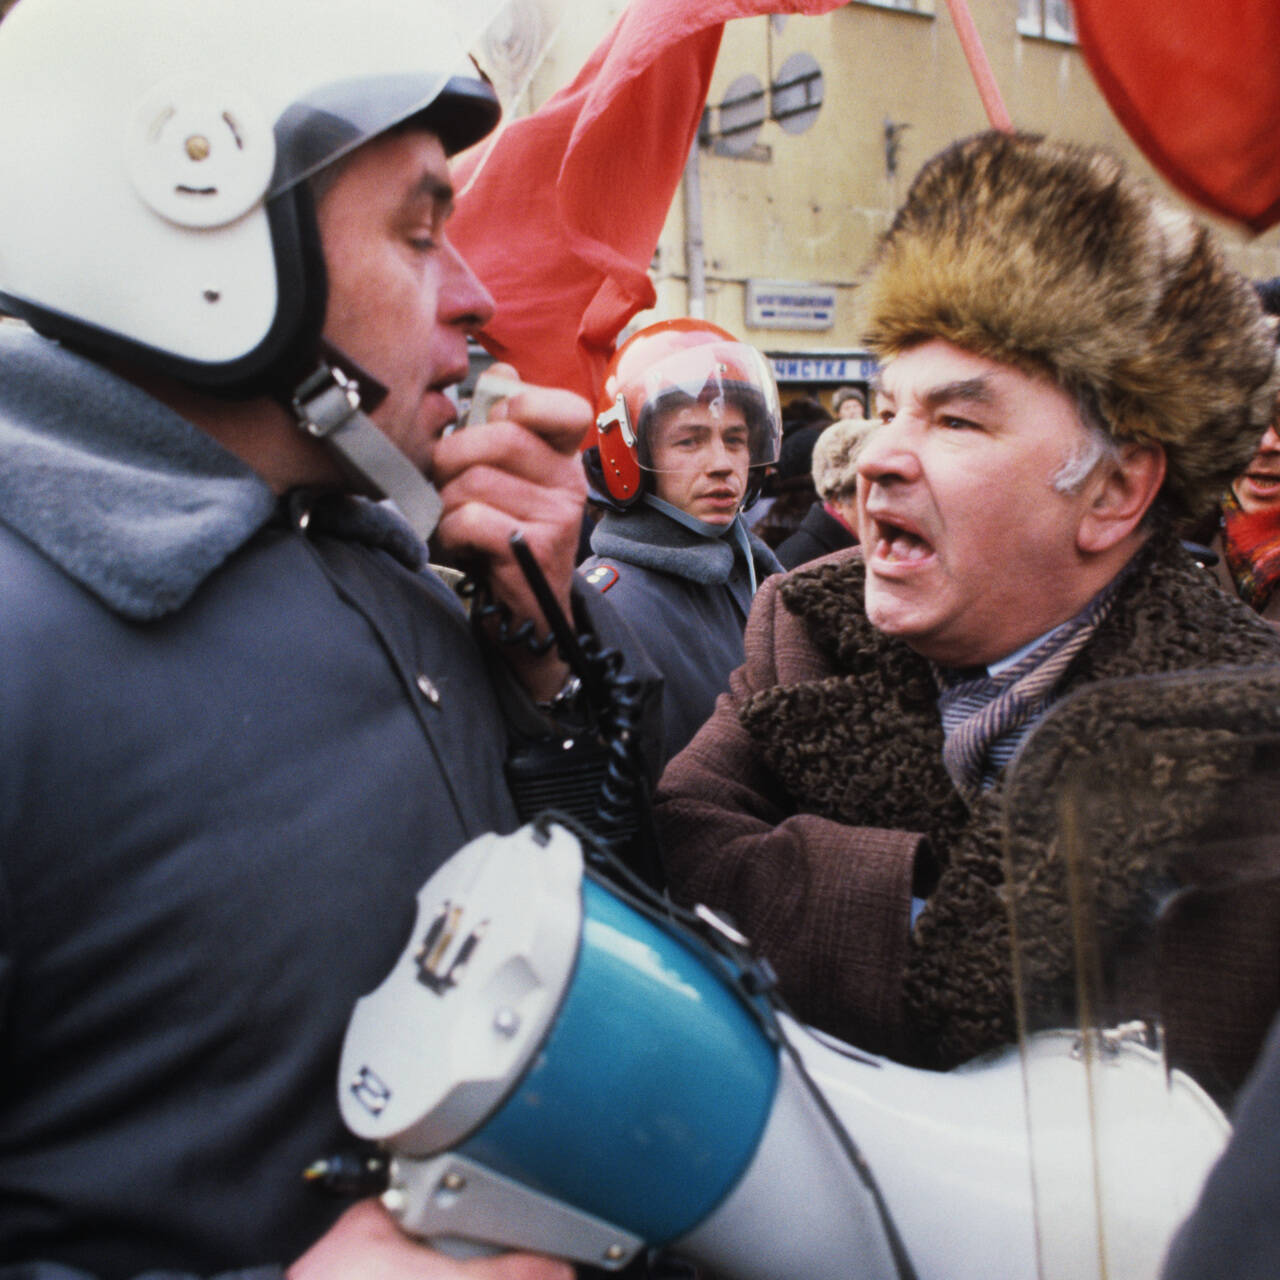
{"type": "Point", "coordinates": [153, 156]}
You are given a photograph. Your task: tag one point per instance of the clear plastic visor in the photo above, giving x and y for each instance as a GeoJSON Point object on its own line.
{"type": "Point", "coordinates": [1143, 881]}
{"type": "Point", "coordinates": [719, 398]}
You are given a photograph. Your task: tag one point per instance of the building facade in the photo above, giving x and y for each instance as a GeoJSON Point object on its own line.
{"type": "Point", "coordinates": [815, 126]}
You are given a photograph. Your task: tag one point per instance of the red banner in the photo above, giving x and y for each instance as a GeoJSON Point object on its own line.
{"type": "Point", "coordinates": [1194, 83]}
{"type": "Point", "coordinates": [564, 213]}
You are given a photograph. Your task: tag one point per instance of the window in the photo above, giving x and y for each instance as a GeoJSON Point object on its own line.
{"type": "Point", "coordinates": [1051, 19]}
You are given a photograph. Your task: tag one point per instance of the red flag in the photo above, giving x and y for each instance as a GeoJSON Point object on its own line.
{"type": "Point", "coordinates": [1194, 84]}
{"type": "Point", "coordinates": [564, 213]}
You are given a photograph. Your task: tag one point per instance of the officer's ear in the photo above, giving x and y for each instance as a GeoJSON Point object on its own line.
{"type": "Point", "coordinates": [1118, 494]}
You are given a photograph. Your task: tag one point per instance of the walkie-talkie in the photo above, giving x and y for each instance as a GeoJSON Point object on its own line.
{"type": "Point", "coordinates": [591, 766]}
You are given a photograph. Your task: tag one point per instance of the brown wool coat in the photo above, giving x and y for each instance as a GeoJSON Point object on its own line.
{"type": "Point", "coordinates": [815, 795]}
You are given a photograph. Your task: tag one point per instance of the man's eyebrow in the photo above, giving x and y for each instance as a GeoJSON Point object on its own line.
{"type": "Point", "coordinates": [965, 390]}
{"type": "Point", "coordinates": [434, 190]}
{"type": "Point", "coordinates": [975, 390]}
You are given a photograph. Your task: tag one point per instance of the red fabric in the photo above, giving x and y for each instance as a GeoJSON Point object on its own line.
{"type": "Point", "coordinates": [1251, 545]}
{"type": "Point", "coordinates": [1194, 83]}
{"type": "Point", "coordinates": [564, 214]}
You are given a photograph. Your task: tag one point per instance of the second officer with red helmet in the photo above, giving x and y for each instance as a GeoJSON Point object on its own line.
{"type": "Point", "coordinates": [688, 420]}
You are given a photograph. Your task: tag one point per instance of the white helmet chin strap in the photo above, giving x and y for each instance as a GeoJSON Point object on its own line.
{"type": "Point", "coordinates": [327, 405]}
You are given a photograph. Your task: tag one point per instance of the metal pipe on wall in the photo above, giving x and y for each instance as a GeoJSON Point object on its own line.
{"type": "Point", "coordinates": [694, 253]}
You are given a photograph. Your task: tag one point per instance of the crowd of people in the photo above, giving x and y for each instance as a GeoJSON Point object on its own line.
{"type": "Point", "coordinates": [244, 718]}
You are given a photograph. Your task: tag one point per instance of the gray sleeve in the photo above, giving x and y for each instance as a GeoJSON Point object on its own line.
{"type": "Point", "coordinates": [1234, 1230]}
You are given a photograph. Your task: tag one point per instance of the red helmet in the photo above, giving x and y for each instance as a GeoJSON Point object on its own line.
{"type": "Point", "coordinates": [674, 363]}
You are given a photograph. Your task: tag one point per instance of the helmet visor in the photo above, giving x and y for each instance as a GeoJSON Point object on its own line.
{"type": "Point", "coordinates": [713, 396]}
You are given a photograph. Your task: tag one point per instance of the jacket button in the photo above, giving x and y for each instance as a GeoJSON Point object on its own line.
{"type": "Point", "coordinates": [428, 690]}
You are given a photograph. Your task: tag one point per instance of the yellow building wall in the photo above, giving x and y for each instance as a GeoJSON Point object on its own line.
{"type": "Point", "coordinates": [808, 210]}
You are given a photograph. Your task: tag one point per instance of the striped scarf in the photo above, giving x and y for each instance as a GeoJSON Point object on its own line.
{"type": "Point", "coordinates": [986, 717]}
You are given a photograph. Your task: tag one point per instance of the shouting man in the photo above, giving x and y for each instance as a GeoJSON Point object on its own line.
{"type": "Point", "coordinates": [1069, 367]}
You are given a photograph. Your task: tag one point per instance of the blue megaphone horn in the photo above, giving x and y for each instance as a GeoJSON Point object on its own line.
{"type": "Point", "coordinates": [557, 1065]}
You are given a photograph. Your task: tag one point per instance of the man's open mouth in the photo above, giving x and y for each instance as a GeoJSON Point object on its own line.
{"type": "Point", "coordinates": [897, 545]}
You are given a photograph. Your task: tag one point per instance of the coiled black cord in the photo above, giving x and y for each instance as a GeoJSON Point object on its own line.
{"type": "Point", "coordinates": [614, 703]}
{"type": "Point", "coordinates": [623, 794]}
{"type": "Point", "coordinates": [484, 609]}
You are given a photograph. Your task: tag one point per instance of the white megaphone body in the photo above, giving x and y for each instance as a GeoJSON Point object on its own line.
{"type": "Point", "coordinates": [553, 1067]}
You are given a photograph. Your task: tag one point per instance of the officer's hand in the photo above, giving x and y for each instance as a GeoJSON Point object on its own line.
{"type": "Point", "coordinates": [520, 470]}
{"type": "Point", "coordinates": [365, 1244]}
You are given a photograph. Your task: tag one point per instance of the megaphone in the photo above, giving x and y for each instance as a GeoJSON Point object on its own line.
{"type": "Point", "coordinates": [556, 1065]}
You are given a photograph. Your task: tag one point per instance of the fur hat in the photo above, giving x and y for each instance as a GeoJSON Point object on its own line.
{"type": "Point", "coordinates": [1047, 256]}
{"type": "Point", "coordinates": [835, 457]}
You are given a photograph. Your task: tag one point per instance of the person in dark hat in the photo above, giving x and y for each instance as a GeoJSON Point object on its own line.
{"type": "Point", "coordinates": [788, 491]}
{"type": "Point", "coordinates": [849, 402]}
{"type": "Point", "coordinates": [830, 523]}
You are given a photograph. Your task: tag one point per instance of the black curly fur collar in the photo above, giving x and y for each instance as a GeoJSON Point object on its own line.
{"type": "Point", "coordinates": [864, 746]}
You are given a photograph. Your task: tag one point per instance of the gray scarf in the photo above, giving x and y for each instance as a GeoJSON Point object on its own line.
{"type": "Point", "coordinates": [650, 538]}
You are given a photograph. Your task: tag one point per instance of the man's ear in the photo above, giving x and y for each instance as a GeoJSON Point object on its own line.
{"type": "Point", "coordinates": [1120, 493]}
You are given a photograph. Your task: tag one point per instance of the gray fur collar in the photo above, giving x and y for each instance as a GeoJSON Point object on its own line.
{"type": "Point", "coordinates": [130, 500]}
{"type": "Point", "coordinates": [133, 502]}
{"type": "Point", "coordinates": [651, 540]}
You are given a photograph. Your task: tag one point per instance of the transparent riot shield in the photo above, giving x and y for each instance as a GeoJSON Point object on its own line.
{"type": "Point", "coordinates": [1143, 863]}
